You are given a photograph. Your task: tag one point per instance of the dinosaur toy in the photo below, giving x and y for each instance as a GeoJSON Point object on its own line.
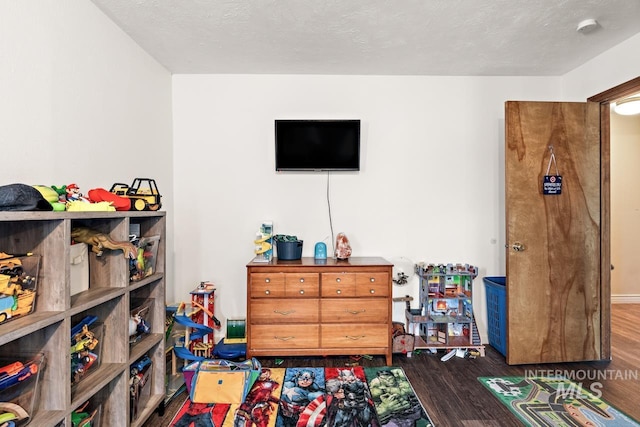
{"type": "Point", "coordinates": [99, 241]}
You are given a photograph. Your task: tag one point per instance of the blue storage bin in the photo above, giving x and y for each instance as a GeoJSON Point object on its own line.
{"type": "Point", "coordinates": [289, 251]}
{"type": "Point", "coordinates": [496, 292]}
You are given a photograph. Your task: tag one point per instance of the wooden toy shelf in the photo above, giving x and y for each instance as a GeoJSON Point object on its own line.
{"type": "Point", "coordinates": [109, 297]}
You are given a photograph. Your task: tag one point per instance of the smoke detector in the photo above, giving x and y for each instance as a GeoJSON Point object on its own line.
{"type": "Point", "coordinates": [587, 26]}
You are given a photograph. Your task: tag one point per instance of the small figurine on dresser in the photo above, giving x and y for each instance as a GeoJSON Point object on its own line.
{"type": "Point", "coordinates": [343, 248]}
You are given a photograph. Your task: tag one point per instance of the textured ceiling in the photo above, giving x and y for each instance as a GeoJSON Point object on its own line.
{"type": "Point", "coordinates": [375, 37]}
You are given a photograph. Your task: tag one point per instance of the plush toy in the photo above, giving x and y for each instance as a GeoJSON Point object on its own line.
{"type": "Point", "coordinates": [62, 193]}
{"type": "Point", "coordinates": [74, 194]}
{"type": "Point", "coordinates": [101, 195]}
{"type": "Point", "coordinates": [51, 195]}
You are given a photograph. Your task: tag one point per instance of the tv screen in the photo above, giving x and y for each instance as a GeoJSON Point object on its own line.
{"type": "Point", "coordinates": [317, 145]}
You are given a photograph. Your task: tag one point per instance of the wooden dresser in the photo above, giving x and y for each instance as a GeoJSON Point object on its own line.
{"type": "Point", "coordinates": [320, 308]}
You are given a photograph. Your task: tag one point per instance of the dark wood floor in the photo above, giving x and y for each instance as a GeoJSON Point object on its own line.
{"type": "Point", "coordinates": [452, 395]}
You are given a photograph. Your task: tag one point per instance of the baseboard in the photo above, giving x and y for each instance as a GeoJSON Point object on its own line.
{"type": "Point", "coordinates": [625, 299]}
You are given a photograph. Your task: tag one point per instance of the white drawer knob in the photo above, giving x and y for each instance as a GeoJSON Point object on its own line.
{"type": "Point", "coordinates": [338, 280]}
{"type": "Point", "coordinates": [267, 292]}
{"type": "Point", "coordinates": [372, 291]}
{"type": "Point", "coordinates": [267, 280]}
{"type": "Point", "coordinates": [302, 280]}
{"type": "Point", "coordinates": [338, 291]}
{"type": "Point", "coordinates": [301, 291]}
{"type": "Point", "coordinates": [373, 279]}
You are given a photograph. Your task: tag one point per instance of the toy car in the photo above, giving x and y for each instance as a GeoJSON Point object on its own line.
{"type": "Point", "coordinates": [143, 193]}
{"type": "Point", "coordinates": [85, 340]}
{"type": "Point", "coordinates": [80, 364]}
{"type": "Point", "coordinates": [140, 365]}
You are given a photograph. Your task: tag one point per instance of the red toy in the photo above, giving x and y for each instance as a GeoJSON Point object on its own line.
{"type": "Point", "coordinates": [101, 195]}
{"type": "Point", "coordinates": [203, 297]}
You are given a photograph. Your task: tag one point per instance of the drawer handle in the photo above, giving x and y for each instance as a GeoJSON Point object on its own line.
{"type": "Point", "coordinates": [372, 291]}
{"type": "Point", "coordinates": [267, 280]}
{"type": "Point", "coordinates": [284, 338]}
{"type": "Point", "coordinates": [338, 280]}
{"type": "Point", "coordinates": [302, 280]}
{"type": "Point", "coordinates": [355, 311]}
{"type": "Point", "coordinates": [338, 291]}
{"type": "Point", "coordinates": [373, 279]}
{"type": "Point", "coordinates": [354, 338]}
{"type": "Point", "coordinates": [301, 291]}
{"type": "Point", "coordinates": [267, 292]}
{"type": "Point", "coordinates": [284, 313]}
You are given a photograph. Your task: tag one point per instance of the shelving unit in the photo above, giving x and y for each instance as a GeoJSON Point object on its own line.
{"type": "Point", "coordinates": [48, 329]}
{"type": "Point", "coordinates": [444, 319]}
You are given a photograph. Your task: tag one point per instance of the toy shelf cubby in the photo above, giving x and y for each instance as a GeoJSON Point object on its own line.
{"type": "Point", "coordinates": [444, 319]}
{"type": "Point", "coordinates": [109, 297]}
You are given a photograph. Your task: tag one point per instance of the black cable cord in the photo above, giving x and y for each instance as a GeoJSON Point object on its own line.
{"type": "Point", "coordinates": [333, 250]}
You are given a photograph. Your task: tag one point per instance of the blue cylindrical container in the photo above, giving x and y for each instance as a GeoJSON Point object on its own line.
{"type": "Point", "coordinates": [289, 251]}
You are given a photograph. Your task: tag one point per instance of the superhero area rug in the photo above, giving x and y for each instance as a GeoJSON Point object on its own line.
{"type": "Point", "coordinates": [316, 397]}
{"type": "Point", "coordinates": [555, 401]}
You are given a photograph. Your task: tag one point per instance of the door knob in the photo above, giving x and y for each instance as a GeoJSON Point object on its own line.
{"type": "Point", "coordinates": [518, 247]}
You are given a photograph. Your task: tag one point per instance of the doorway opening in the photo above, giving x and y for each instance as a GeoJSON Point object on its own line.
{"type": "Point", "coordinates": [605, 99]}
{"type": "Point", "coordinates": [625, 202]}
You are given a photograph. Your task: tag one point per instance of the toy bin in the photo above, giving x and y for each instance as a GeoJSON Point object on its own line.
{"type": "Point", "coordinates": [145, 263]}
{"type": "Point", "coordinates": [18, 280]}
{"type": "Point", "coordinates": [140, 319]}
{"type": "Point", "coordinates": [79, 270]}
{"type": "Point", "coordinates": [86, 346]}
{"type": "Point", "coordinates": [289, 251]}
{"type": "Point", "coordinates": [19, 384]}
{"type": "Point", "coordinates": [87, 415]}
{"type": "Point", "coordinates": [220, 380]}
{"type": "Point", "coordinates": [495, 290]}
{"type": "Point", "coordinates": [140, 385]}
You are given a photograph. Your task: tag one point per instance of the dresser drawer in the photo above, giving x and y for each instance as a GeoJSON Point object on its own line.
{"type": "Point", "coordinates": [302, 284]}
{"type": "Point", "coordinates": [268, 337]}
{"type": "Point", "coordinates": [372, 284]}
{"type": "Point", "coordinates": [354, 335]}
{"type": "Point", "coordinates": [338, 284]}
{"type": "Point", "coordinates": [282, 310]}
{"type": "Point", "coordinates": [267, 285]}
{"type": "Point", "coordinates": [354, 310]}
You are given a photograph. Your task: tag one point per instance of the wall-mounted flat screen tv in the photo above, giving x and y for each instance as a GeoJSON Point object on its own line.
{"type": "Point", "coordinates": [317, 145]}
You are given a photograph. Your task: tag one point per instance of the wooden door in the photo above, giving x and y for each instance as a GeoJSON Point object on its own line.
{"type": "Point", "coordinates": [553, 241]}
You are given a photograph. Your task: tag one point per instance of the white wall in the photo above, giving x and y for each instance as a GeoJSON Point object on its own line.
{"type": "Point", "coordinates": [80, 102]}
{"type": "Point", "coordinates": [430, 189]}
{"type": "Point", "coordinates": [431, 186]}
{"type": "Point", "coordinates": [613, 67]}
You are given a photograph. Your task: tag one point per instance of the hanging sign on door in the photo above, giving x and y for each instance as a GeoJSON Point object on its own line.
{"type": "Point", "coordinates": [552, 184]}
